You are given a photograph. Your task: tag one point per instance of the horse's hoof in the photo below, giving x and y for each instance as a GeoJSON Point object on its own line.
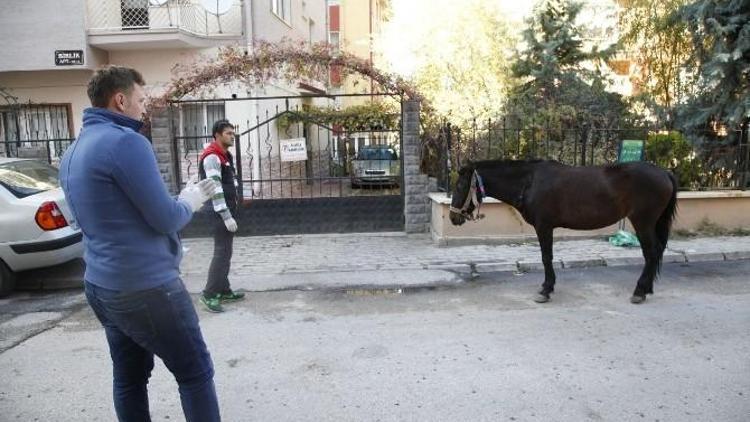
{"type": "Point", "coordinates": [637, 299]}
{"type": "Point", "coordinates": [540, 298]}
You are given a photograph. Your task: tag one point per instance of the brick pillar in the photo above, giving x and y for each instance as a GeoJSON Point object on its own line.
{"type": "Point", "coordinates": [161, 136]}
{"type": "Point", "coordinates": [416, 186]}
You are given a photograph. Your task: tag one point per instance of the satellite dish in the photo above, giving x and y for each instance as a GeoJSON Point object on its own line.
{"type": "Point", "coordinates": [217, 7]}
{"type": "Point", "coordinates": [158, 2]}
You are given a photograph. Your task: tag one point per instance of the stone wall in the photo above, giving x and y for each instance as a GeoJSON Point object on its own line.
{"type": "Point", "coordinates": [162, 143]}
{"type": "Point", "coordinates": [417, 210]}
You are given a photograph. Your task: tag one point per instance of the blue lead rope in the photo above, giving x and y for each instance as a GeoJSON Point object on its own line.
{"type": "Point", "coordinates": [480, 185]}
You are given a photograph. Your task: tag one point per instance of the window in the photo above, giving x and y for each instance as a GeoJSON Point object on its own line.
{"type": "Point", "coordinates": [282, 9]}
{"type": "Point", "coordinates": [35, 122]}
{"type": "Point", "coordinates": [370, 153]}
{"type": "Point", "coordinates": [335, 43]}
{"type": "Point", "coordinates": [335, 71]}
{"type": "Point", "coordinates": [27, 177]}
{"type": "Point", "coordinates": [196, 122]}
{"type": "Point", "coordinates": [310, 26]}
{"type": "Point", "coordinates": [39, 129]}
{"type": "Point", "coordinates": [134, 14]}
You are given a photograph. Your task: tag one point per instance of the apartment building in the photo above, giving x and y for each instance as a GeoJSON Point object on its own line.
{"type": "Point", "coordinates": [50, 49]}
{"type": "Point", "coordinates": [356, 26]}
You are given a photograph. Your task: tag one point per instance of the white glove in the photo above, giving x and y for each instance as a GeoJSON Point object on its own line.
{"type": "Point", "coordinates": [231, 224]}
{"type": "Point", "coordinates": [196, 194]}
{"type": "Point", "coordinates": [207, 187]}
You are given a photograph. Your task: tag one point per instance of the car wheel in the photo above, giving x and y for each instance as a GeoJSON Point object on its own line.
{"type": "Point", "coordinates": [7, 280]}
{"type": "Point", "coordinates": [355, 185]}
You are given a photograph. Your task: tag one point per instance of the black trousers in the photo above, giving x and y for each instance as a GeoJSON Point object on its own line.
{"type": "Point", "coordinates": [218, 271]}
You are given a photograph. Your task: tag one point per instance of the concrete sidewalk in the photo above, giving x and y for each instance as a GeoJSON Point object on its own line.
{"type": "Point", "coordinates": [393, 260]}
{"type": "Point", "coordinates": [396, 260]}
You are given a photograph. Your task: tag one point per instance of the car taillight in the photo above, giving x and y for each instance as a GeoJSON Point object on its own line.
{"type": "Point", "coordinates": [49, 217]}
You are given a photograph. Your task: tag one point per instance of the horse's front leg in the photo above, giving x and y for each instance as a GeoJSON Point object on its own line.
{"type": "Point", "coordinates": [544, 235]}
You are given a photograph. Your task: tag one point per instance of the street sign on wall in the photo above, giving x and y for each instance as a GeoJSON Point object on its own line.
{"type": "Point", "coordinates": [68, 57]}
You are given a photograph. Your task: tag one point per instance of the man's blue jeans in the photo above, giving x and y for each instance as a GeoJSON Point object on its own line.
{"type": "Point", "coordinates": [162, 322]}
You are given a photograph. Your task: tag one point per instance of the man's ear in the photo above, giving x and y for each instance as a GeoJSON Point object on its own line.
{"type": "Point", "coordinates": [118, 101]}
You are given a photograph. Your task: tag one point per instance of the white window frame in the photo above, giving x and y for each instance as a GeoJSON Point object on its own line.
{"type": "Point", "coordinates": [282, 9]}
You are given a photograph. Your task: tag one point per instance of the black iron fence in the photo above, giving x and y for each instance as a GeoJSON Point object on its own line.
{"type": "Point", "coordinates": [305, 164]}
{"type": "Point", "coordinates": [704, 160]}
{"type": "Point", "coordinates": [282, 151]}
{"type": "Point", "coordinates": [39, 131]}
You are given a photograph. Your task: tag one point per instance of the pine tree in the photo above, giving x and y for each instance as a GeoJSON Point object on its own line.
{"type": "Point", "coordinates": [721, 37]}
{"type": "Point", "coordinates": [557, 81]}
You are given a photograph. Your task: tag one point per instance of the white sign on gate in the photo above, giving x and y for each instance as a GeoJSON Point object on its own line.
{"type": "Point", "coordinates": [293, 149]}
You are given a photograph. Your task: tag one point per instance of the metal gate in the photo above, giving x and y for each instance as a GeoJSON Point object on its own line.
{"type": "Point", "coordinates": [300, 169]}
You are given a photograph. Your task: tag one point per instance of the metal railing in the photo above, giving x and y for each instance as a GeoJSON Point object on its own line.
{"type": "Point", "coordinates": [701, 161]}
{"type": "Point", "coordinates": [190, 16]}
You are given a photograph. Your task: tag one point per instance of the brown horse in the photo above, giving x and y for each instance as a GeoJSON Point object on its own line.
{"type": "Point", "coordinates": [549, 194]}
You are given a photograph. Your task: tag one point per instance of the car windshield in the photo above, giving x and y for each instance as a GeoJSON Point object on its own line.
{"type": "Point", "coordinates": [377, 154]}
{"type": "Point", "coordinates": [27, 177]}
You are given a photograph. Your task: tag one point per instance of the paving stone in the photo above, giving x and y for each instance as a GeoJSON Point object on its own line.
{"type": "Point", "coordinates": [623, 260]}
{"type": "Point", "coordinates": [491, 267]}
{"type": "Point", "coordinates": [583, 262]}
{"type": "Point", "coordinates": [737, 255]}
{"type": "Point", "coordinates": [705, 257]}
{"type": "Point", "coordinates": [532, 266]}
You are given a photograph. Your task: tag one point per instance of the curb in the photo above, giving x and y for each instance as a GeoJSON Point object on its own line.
{"type": "Point", "coordinates": [71, 281]}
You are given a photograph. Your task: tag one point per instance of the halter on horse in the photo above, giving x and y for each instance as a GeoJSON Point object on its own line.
{"type": "Point", "coordinates": [477, 186]}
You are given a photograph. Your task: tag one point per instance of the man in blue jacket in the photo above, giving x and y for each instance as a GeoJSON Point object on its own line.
{"type": "Point", "coordinates": [132, 252]}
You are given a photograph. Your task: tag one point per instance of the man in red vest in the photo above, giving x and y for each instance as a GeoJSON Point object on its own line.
{"type": "Point", "coordinates": [216, 164]}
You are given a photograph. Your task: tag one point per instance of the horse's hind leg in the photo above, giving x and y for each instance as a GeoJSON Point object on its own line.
{"type": "Point", "coordinates": [651, 252]}
{"type": "Point", "coordinates": [545, 242]}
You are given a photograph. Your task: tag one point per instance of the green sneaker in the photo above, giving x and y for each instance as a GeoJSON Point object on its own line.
{"type": "Point", "coordinates": [231, 296]}
{"type": "Point", "coordinates": [212, 304]}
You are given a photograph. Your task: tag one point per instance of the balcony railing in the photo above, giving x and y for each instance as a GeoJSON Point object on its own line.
{"type": "Point", "coordinates": [188, 16]}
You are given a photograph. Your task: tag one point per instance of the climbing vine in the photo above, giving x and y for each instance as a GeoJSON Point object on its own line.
{"type": "Point", "coordinates": [364, 117]}
{"type": "Point", "coordinates": [285, 60]}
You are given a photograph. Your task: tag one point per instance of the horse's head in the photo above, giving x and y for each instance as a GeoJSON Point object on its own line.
{"type": "Point", "coordinates": [462, 205]}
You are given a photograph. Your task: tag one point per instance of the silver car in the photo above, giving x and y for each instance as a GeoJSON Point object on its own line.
{"type": "Point", "coordinates": [376, 165]}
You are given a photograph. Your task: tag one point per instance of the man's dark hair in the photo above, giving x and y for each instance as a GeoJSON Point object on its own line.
{"type": "Point", "coordinates": [220, 126]}
{"type": "Point", "coordinates": [109, 80]}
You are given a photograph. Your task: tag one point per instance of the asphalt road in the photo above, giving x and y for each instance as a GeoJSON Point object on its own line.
{"type": "Point", "coordinates": [475, 351]}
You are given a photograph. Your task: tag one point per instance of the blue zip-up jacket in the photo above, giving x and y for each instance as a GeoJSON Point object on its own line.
{"type": "Point", "coordinates": [128, 219]}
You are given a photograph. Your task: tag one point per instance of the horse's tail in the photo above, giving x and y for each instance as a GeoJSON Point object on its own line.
{"type": "Point", "coordinates": [664, 223]}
